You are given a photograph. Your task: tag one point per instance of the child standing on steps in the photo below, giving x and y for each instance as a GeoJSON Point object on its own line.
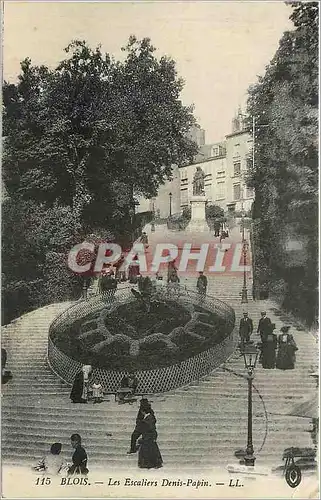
{"type": "Point", "coordinates": [97, 392]}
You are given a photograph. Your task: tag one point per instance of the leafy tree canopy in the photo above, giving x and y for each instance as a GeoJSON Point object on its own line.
{"type": "Point", "coordinates": [94, 131]}
{"type": "Point", "coordinates": [284, 104]}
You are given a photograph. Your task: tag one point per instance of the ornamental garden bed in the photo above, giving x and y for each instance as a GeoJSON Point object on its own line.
{"type": "Point", "coordinates": [124, 333]}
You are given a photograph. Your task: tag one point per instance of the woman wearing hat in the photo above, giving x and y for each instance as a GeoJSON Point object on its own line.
{"type": "Point", "coordinates": [268, 349]}
{"type": "Point", "coordinates": [79, 391]}
{"type": "Point", "coordinates": [285, 359]}
{"type": "Point", "coordinates": [149, 456]}
{"type": "Point", "coordinates": [144, 406]}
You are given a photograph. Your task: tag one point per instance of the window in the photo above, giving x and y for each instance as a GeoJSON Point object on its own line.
{"type": "Point", "coordinates": [183, 173]}
{"type": "Point", "coordinates": [216, 151]}
{"type": "Point", "coordinates": [237, 169]}
{"type": "Point", "coordinates": [220, 191]}
{"type": "Point", "coordinates": [237, 191]}
{"type": "Point", "coordinates": [220, 173]}
{"type": "Point", "coordinates": [184, 196]}
{"type": "Point", "coordinates": [236, 151]}
{"type": "Point", "coordinates": [249, 192]}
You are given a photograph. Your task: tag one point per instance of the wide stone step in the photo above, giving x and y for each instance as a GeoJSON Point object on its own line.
{"type": "Point", "coordinates": [107, 449]}
{"type": "Point", "coordinates": [190, 419]}
{"type": "Point", "coordinates": [212, 413]}
{"type": "Point", "coordinates": [275, 438]}
{"type": "Point", "coordinates": [81, 412]}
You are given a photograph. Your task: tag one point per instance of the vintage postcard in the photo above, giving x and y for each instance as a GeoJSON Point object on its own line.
{"type": "Point", "coordinates": [160, 249]}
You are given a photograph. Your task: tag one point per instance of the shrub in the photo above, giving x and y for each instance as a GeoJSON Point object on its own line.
{"type": "Point", "coordinates": [214, 212]}
{"type": "Point", "coordinates": [169, 336]}
{"type": "Point", "coordinates": [19, 297]}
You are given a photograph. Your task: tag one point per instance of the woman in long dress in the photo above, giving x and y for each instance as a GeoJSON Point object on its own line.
{"type": "Point", "coordinates": [134, 270]}
{"type": "Point", "coordinates": [149, 456]}
{"type": "Point", "coordinates": [79, 391]}
{"type": "Point", "coordinates": [286, 353]}
{"type": "Point", "coordinates": [269, 346]}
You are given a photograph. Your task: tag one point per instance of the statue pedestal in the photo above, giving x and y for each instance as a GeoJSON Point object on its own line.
{"type": "Point", "coordinates": [198, 222]}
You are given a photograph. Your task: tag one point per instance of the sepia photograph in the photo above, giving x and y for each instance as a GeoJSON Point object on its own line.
{"type": "Point", "coordinates": [160, 255]}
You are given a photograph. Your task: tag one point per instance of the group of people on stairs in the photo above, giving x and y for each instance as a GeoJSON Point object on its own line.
{"type": "Point", "coordinates": [144, 436]}
{"type": "Point", "coordinates": [143, 440]}
{"type": "Point", "coordinates": [276, 351]}
{"type": "Point", "coordinates": [53, 463]}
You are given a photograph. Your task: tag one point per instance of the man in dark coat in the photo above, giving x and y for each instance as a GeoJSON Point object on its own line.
{"type": "Point", "coordinates": [144, 407]}
{"type": "Point", "coordinates": [217, 228]}
{"type": "Point", "coordinates": [3, 360]}
{"type": "Point", "coordinates": [6, 375]}
{"type": "Point", "coordinates": [246, 328]}
{"type": "Point", "coordinates": [172, 276]}
{"type": "Point", "coordinates": [201, 284]}
{"type": "Point", "coordinates": [264, 326]}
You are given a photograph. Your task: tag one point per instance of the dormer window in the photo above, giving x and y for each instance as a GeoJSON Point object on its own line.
{"type": "Point", "coordinates": [216, 151]}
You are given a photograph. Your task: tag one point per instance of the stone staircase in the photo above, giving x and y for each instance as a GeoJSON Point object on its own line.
{"type": "Point", "coordinates": [199, 426]}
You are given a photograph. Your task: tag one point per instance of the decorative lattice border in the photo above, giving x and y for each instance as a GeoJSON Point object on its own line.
{"type": "Point", "coordinates": [149, 381]}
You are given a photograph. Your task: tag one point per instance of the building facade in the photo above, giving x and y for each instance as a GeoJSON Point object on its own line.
{"type": "Point", "coordinates": [225, 165]}
{"type": "Point", "coordinates": [168, 200]}
{"type": "Point", "coordinates": [197, 134]}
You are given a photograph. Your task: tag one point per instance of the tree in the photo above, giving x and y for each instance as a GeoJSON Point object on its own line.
{"type": "Point", "coordinates": [93, 132]}
{"type": "Point", "coordinates": [35, 244]}
{"type": "Point", "coordinates": [285, 176]}
{"type": "Point", "coordinates": [214, 212]}
{"type": "Point", "coordinates": [81, 141]}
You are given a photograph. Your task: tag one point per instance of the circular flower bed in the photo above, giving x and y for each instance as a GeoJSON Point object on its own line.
{"type": "Point", "coordinates": [124, 333]}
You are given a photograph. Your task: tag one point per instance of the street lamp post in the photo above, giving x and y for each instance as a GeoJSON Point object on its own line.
{"type": "Point", "coordinates": [245, 247]}
{"type": "Point", "coordinates": [152, 226]}
{"type": "Point", "coordinates": [244, 289]}
{"type": "Point", "coordinates": [250, 354]}
{"type": "Point", "coordinates": [170, 204]}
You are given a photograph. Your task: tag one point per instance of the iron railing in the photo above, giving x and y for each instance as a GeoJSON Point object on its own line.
{"type": "Point", "coordinates": [158, 379]}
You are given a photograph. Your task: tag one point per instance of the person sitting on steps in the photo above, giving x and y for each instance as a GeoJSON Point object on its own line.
{"type": "Point", "coordinates": [79, 457]}
{"type": "Point", "coordinates": [52, 463]}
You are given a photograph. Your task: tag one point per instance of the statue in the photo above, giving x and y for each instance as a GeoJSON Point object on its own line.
{"type": "Point", "coordinates": [198, 182]}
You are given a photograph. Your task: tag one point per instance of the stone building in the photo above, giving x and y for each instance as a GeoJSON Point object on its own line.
{"type": "Point", "coordinates": [225, 166]}
{"type": "Point", "coordinates": [197, 134]}
{"type": "Point", "coordinates": [167, 200]}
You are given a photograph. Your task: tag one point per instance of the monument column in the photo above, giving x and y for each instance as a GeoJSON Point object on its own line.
{"type": "Point", "coordinates": [198, 202]}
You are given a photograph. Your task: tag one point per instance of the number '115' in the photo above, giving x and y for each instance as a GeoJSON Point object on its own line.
{"type": "Point", "coordinates": [43, 480]}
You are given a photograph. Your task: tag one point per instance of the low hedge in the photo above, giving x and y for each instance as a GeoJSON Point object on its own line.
{"type": "Point", "coordinates": [124, 336]}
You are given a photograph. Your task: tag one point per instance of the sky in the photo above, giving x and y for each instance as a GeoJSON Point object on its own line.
{"type": "Point", "coordinates": [220, 47]}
